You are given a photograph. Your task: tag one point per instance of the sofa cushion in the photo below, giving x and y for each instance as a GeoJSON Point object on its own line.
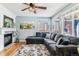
{"type": "Point", "coordinates": [48, 41]}
{"type": "Point", "coordinates": [52, 47]}
{"type": "Point", "coordinates": [33, 38]}
{"type": "Point", "coordinates": [74, 40]}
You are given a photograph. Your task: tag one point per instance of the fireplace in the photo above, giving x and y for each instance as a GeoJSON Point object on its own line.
{"type": "Point", "coordinates": [7, 39]}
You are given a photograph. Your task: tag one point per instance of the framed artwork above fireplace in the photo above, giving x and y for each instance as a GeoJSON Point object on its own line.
{"type": "Point", "coordinates": [8, 22]}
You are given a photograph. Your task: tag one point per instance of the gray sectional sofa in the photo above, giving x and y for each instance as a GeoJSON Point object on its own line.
{"type": "Point", "coordinates": [57, 44]}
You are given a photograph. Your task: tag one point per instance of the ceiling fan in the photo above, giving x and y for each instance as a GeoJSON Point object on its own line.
{"type": "Point", "coordinates": [32, 7]}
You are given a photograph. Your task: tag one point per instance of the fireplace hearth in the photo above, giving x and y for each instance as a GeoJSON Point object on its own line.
{"type": "Point", "coordinates": [7, 39]}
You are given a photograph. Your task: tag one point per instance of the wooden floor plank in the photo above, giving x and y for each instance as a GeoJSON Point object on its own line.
{"type": "Point", "coordinates": [11, 50]}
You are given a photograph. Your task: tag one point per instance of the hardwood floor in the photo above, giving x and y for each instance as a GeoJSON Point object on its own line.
{"type": "Point", "coordinates": [11, 50]}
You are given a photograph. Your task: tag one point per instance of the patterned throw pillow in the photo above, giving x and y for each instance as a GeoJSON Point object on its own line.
{"type": "Point", "coordinates": [53, 36]}
{"type": "Point", "coordinates": [60, 40]}
{"type": "Point", "coordinates": [57, 37]}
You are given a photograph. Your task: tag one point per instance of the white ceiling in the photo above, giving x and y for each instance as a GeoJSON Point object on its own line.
{"type": "Point", "coordinates": [52, 8]}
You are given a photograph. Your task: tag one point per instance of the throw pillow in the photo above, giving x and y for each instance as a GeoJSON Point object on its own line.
{"type": "Point", "coordinates": [48, 35]}
{"type": "Point", "coordinates": [66, 41]}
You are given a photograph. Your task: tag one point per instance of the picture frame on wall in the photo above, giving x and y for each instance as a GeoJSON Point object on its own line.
{"type": "Point", "coordinates": [68, 27]}
{"type": "Point", "coordinates": [26, 26]}
{"type": "Point", "coordinates": [8, 22]}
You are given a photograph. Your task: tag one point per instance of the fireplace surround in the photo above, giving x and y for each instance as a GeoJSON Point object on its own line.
{"type": "Point", "coordinates": [7, 39]}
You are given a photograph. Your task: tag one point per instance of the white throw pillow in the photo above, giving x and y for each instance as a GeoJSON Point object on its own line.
{"type": "Point", "coordinates": [48, 35]}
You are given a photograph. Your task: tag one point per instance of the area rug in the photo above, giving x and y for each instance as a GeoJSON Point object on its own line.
{"type": "Point", "coordinates": [33, 50]}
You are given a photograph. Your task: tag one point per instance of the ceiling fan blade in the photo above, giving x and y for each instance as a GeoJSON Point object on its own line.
{"type": "Point", "coordinates": [26, 3]}
{"type": "Point", "coordinates": [40, 7]}
{"type": "Point", "coordinates": [25, 9]}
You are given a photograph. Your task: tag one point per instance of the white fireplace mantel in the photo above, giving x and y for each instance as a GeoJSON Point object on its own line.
{"type": "Point", "coordinates": [8, 29]}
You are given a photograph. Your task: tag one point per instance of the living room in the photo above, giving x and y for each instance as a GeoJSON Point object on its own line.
{"type": "Point", "coordinates": [39, 29]}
